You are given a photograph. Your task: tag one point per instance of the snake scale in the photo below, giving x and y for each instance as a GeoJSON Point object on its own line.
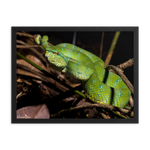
{"type": "Point", "coordinates": [100, 85]}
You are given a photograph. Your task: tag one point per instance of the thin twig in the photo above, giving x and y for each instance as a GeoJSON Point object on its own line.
{"type": "Point", "coordinates": [23, 43]}
{"type": "Point", "coordinates": [26, 46]}
{"type": "Point", "coordinates": [101, 46]}
{"type": "Point", "coordinates": [18, 95]}
{"type": "Point", "coordinates": [25, 34]}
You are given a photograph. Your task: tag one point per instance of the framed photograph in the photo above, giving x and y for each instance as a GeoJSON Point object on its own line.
{"type": "Point", "coordinates": [74, 75]}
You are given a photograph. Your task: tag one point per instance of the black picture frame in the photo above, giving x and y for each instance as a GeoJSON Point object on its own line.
{"type": "Point", "coordinates": [15, 29]}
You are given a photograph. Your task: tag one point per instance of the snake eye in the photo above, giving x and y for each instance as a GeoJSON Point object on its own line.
{"type": "Point", "coordinates": [56, 53]}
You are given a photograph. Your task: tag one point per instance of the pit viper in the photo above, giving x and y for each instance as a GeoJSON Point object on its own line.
{"type": "Point", "coordinates": [100, 85]}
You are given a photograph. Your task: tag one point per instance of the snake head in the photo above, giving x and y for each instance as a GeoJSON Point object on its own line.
{"type": "Point", "coordinates": [57, 60]}
{"type": "Point", "coordinates": [37, 38]}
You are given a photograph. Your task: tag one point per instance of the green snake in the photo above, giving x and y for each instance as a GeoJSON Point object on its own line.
{"type": "Point", "coordinates": [100, 85]}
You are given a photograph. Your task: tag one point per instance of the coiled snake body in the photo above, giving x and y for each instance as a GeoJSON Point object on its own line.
{"type": "Point", "coordinates": [100, 85]}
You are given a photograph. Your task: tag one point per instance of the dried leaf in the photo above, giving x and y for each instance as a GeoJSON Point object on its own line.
{"type": "Point", "coordinates": [43, 113]}
{"type": "Point", "coordinates": [33, 112]}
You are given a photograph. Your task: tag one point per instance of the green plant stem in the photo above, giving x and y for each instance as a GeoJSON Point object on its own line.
{"type": "Point", "coordinates": [112, 47]}
{"type": "Point", "coordinates": [113, 44]}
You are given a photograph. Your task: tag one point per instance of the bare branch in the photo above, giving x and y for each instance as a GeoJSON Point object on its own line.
{"type": "Point", "coordinates": [126, 64]}
{"type": "Point", "coordinates": [26, 46]}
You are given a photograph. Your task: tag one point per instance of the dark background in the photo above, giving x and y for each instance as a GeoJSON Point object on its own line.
{"type": "Point", "coordinates": [91, 41]}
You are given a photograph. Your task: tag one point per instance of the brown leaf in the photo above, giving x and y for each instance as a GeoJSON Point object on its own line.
{"type": "Point", "coordinates": [43, 113]}
{"type": "Point", "coordinates": [37, 112]}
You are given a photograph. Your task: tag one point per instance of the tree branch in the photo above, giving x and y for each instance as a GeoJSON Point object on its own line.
{"type": "Point", "coordinates": [126, 64]}
{"type": "Point", "coordinates": [26, 46]}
